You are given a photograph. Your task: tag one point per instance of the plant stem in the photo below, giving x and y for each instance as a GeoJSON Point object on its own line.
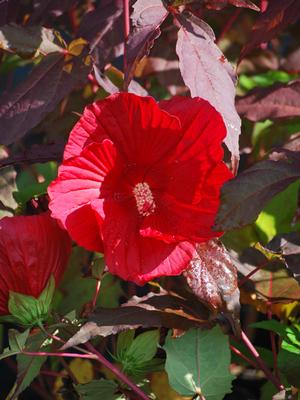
{"type": "Point", "coordinates": [229, 24]}
{"type": "Point", "coordinates": [247, 277]}
{"type": "Point", "coordinates": [272, 334]}
{"type": "Point", "coordinates": [53, 354]}
{"type": "Point", "coordinates": [119, 374]}
{"type": "Point", "coordinates": [126, 28]}
{"type": "Point", "coordinates": [96, 294]}
{"type": "Point", "coordinates": [248, 360]}
{"type": "Point", "coordinates": [261, 363]}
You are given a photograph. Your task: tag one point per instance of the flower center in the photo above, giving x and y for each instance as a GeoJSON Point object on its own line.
{"type": "Point", "coordinates": [144, 199]}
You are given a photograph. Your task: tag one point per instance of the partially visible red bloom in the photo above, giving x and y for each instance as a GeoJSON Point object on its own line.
{"type": "Point", "coordinates": [141, 181]}
{"type": "Point", "coordinates": [32, 249]}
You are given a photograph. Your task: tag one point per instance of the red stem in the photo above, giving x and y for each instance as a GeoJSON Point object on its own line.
{"type": "Point", "coordinates": [261, 363]}
{"type": "Point", "coordinates": [119, 374]}
{"type": "Point", "coordinates": [126, 28]}
{"type": "Point", "coordinates": [272, 334]}
{"type": "Point", "coordinates": [229, 24]}
{"type": "Point", "coordinates": [45, 353]}
{"type": "Point", "coordinates": [247, 277]}
{"type": "Point", "coordinates": [248, 360]}
{"type": "Point", "coordinates": [96, 294]}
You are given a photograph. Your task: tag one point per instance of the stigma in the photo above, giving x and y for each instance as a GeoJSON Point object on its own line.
{"type": "Point", "coordinates": [144, 199]}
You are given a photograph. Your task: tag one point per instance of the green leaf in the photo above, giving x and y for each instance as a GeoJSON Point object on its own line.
{"type": "Point", "coordinates": [27, 184]}
{"type": "Point", "coordinates": [99, 389]}
{"type": "Point", "coordinates": [144, 347]}
{"type": "Point", "coordinates": [198, 363]}
{"type": "Point", "coordinates": [289, 366]}
{"type": "Point", "coordinates": [265, 79]}
{"type": "Point", "coordinates": [276, 218]}
{"type": "Point", "coordinates": [28, 310]}
{"type": "Point", "coordinates": [290, 334]}
{"type": "Point", "coordinates": [124, 341]}
{"type": "Point", "coordinates": [28, 366]}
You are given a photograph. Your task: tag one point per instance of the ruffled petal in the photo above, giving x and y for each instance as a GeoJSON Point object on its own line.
{"type": "Point", "coordinates": [134, 257]}
{"type": "Point", "coordinates": [141, 131]}
{"type": "Point", "coordinates": [93, 174]}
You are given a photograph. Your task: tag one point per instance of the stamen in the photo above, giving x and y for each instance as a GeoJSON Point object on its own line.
{"type": "Point", "coordinates": [144, 199]}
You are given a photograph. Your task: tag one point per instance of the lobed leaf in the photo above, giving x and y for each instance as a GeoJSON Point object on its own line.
{"type": "Point", "coordinates": [191, 363]}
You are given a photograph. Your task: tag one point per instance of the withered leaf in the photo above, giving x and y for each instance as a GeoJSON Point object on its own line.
{"type": "Point", "coordinates": [212, 276]}
{"type": "Point", "coordinates": [245, 196]}
{"type": "Point", "coordinates": [146, 20]}
{"type": "Point", "coordinates": [277, 101]}
{"type": "Point", "coordinates": [208, 74]}
{"type": "Point", "coordinates": [153, 310]}
{"type": "Point", "coordinates": [278, 16]}
{"type": "Point", "coordinates": [26, 105]}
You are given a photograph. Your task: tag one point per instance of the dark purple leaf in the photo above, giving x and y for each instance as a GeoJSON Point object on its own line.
{"type": "Point", "coordinates": [208, 74]}
{"type": "Point", "coordinates": [103, 29]}
{"type": "Point", "coordinates": [246, 195]}
{"type": "Point", "coordinates": [163, 63]}
{"type": "Point", "coordinates": [278, 16]}
{"type": "Point", "coordinates": [36, 154]}
{"type": "Point", "coordinates": [8, 11]}
{"type": "Point", "coordinates": [219, 4]}
{"type": "Point", "coordinates": [29, 41]}
{"type": "Point", "coordinates": [43, 10]}
{"type": "Point", "coordinates": [24, 107]}
{"type": "Point", "coordinates": [146, 19]}
{"type": "Point", "coordinates": [277, 101]}
{"type": "Point", "coordinates": [152, 310]}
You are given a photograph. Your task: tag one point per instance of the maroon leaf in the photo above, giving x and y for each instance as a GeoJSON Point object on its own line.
{"type": "Point", "coordinates": [146, 20]}
{"type": "Point", "coordinates": [208, 74]}
{"type": "Point", "coordinates": [29, 41]}
{"type": "Point", "coordinates": [163, 63]}
{"type": "Point", "coordinates": [47, 9]}
{"type": "Point", "coordinates": [49, 82]}
{"type": "Point", "coordinates": [277, 101]}
{"type": "Point", "coordinates": [152, 310]}
{"type": "Point", "coordinates": [212, 277]}
{"type": "Point", "coordinates": [103, 29]}
{"type": "Point", "coordinates": [219, 4]}
{"type": "Point", "coordinates": [8, 11]}
{"type": "Point", "coordinates": [246, 195]}
{"type": "Point", "coordinates": [278, 16]}
{"type": "Point", "coordinates": [36, 154]}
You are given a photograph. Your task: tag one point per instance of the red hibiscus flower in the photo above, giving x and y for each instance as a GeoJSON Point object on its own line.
{"type": "Point", "coordinates": [141, 181]}
{"type": "Point", "coordinates": [31, 250]}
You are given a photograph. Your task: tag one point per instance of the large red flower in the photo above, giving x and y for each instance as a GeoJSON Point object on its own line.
{"type": "Point", "coordinates": [141, 181]}
{"type": "Point", "coordinates": [31, 250]}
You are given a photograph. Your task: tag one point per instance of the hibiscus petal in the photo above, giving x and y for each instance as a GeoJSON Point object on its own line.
{"type": "Point", "coordinates": [31, 249]}
{"type": "Point", "coordinates": [203, 127]}
{"type": "Point", "coordinates": [141, 131]}
{"type": "Point", "coordinates": [134, 257]}
{"type": "Point", "coordinates": [81, 180]}
{"type": "Point", "coordinates": [173, 221]}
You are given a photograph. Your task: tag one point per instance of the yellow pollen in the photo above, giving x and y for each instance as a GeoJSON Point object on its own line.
{"type": "Point", "coordinates": [144, 199]}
